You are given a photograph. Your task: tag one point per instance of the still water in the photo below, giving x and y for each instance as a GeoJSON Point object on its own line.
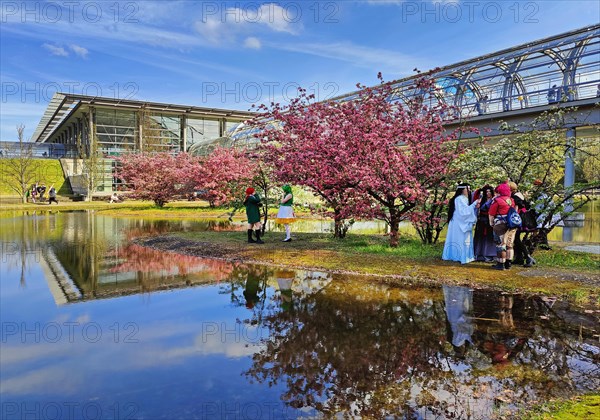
{"type": "Point", "coordinates": [96, 327]}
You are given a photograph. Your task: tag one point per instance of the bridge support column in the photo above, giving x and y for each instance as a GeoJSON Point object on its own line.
{"type": "Point", "coordinates": [570, 164]}
{"type": "Point", "coordinates": [569, 177]}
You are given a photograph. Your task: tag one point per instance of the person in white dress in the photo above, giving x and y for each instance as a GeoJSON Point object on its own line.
{"type": "Point", "coordinates": [285, 215]}
{"type": "Point", "coordinates": [462, 215]}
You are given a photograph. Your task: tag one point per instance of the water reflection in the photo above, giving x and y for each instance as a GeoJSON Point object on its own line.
{"type": "Point", "coordinates": [359, 355]}
{"type": "Point", "coordinates": [184, 337]}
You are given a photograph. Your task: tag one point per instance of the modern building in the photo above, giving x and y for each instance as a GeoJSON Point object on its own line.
{"type": "Point", "coordinates": [123, 125]}
{"type": "Point", "coordinates": [514, 85]}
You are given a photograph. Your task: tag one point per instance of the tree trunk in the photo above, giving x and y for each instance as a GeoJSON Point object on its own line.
{"type": "Point", "coordinates": [394, 225]}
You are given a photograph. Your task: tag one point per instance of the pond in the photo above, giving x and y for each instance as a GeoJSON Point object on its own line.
{"type": "Point", "coordinates": [94, 326]}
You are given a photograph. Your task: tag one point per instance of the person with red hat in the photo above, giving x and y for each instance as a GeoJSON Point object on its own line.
{"type": "Point", "coordinates": [252, 203]}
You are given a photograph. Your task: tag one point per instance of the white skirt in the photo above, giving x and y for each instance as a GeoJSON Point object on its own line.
{"type": "Point", "coordinates": [285, 215]}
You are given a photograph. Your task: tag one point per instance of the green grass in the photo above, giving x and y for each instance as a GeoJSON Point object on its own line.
{"type": "Point", "coordinates": [567, 259]}
{"type": "Point", "coordinates": [48, 171]}
{"type": "Point", "coordinates": [579, 408]}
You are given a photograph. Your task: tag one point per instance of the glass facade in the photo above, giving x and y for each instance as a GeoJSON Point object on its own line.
{"type": "Point", "coordinates": [201, 130]}
{"type": "Point", "coordinates": [116, 130]}
{"type": "Point", "coordinates": [160, 132]}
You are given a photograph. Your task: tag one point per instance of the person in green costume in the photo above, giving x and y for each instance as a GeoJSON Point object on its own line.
{"type": "Point", "coordinates": [252, 203]}
{"type": "Point", "coordinates": [285, 215]}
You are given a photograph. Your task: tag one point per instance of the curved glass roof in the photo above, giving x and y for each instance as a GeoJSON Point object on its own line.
{"type": "Point", "coordinates": [564, 67]}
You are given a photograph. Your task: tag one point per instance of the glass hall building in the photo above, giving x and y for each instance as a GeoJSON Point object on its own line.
{"type": "Point", "coordinates": [122, 125]}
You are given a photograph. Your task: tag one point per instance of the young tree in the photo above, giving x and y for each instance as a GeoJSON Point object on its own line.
{"type": "Point", "coordinates": [160, 177]}
{"type": "Point", "coordinates": [19, 172]}
{"type": "Point", "coordinates": [92, 164]}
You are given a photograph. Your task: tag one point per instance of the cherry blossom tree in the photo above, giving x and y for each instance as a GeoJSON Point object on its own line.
{"type": "Point", "coordinates": [223, 175]}
{"type": "Point", "coordinates": [370, 156]}
{"type": "Point", "coordinates": [303, 148]}
{"type": "Point", "coordinates": [160, 177]}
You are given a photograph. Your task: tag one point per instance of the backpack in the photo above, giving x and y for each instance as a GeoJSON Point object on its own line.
{"type": "Point", "coordinates": [513, 220]}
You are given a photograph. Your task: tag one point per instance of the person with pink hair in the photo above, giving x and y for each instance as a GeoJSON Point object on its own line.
{"type": "Point", "coordinates": [503, 236]}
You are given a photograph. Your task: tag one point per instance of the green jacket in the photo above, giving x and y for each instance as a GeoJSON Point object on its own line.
{"type": "Point", "coordinates": [252, 204]}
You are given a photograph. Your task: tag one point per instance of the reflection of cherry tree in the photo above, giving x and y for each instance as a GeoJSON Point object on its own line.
{"type": "Point", "coordinates": [140, 259]}
{"type": "Point", "coordinates": [379, 357]}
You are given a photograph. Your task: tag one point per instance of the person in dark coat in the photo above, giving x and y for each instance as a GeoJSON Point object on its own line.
{"type": "Point", "coordinates": [483, 240]}
{"type": "Point", "coordinates": [252, 203]}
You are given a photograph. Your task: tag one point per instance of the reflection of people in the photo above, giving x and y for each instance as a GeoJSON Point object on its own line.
{"type": "Point", "coordinates": [459, 306]}
{"type": "Point", "coordinates": [252, 203]}
{"type": "Point", "coordinates": [284, 282]}
{"type": "Point", "coordinates": [251, 290]}
{"type": "Point", "coordinates": [461, 214]}
{"type": "Point", "coordinates": [285, 215]}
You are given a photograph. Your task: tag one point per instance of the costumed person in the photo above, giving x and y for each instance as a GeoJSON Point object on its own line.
{"type": "Point", "coordinates": [521, 253]}
{"type": "Point", "coordinates": [285, 215]}
{"type": "Point", "coordinates": [503, 236]}
{"type": "Point", "coordinates": [252, 203]}
{"type": "Point", "coordinates": [461, 214]}
{"type": "Point", "coordinates": [483, 240]}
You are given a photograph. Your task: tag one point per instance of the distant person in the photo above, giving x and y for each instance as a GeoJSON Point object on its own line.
{"type": "Point", "coordinates": [553, 95]}
{"type": "Point", "coordinates": [52, 195]}
{"type": "Point", "coordinates": [114, 198]}
{"type": "Point", "coordinates": [481, 105]}
{"type": "Point", "coordinates": [462, 217]}
{"type": "Point", "coordinates": [252, 203]}
{"type": "Point", "coordinates": [41, 189]}
{"type": "Point", "coordinates": [45, 154]}
{"type": "Point", "coordinates": [598, 92]}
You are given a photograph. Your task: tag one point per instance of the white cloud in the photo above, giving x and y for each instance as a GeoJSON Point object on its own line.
{"type": "Point", "coordinates": [80, 51]}
{"type": "Point", "coordinates": [225, 27]}
{"type": "Point", "coordinates": [56, 50]}
{"type": "Point", "coordinates": [253, 43]}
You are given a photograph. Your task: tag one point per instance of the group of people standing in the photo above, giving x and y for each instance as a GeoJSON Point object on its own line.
{"type": "Point", "coordinates": [285, 215]}
{"type": "Point", "coordinates": [496, 240]}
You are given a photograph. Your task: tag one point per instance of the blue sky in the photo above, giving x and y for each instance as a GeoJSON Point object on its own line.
{"type": "Point", "coordinates": [232, 54]}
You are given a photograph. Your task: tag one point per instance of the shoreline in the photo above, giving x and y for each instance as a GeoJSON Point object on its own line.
{"type": "Point", "coordinates": [577, 286]}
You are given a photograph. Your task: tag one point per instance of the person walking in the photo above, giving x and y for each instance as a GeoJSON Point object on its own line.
{"type": "Point", "coordinates": [252, 203]}
{"type": "Point", "coordinates": [285, 215]}
{"type": "Point", "coordinates": [52, 195]}
{"type": "Point", "coordinates": [461, 214]}
{"type": "Point", "coordinates": [503, 236]}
